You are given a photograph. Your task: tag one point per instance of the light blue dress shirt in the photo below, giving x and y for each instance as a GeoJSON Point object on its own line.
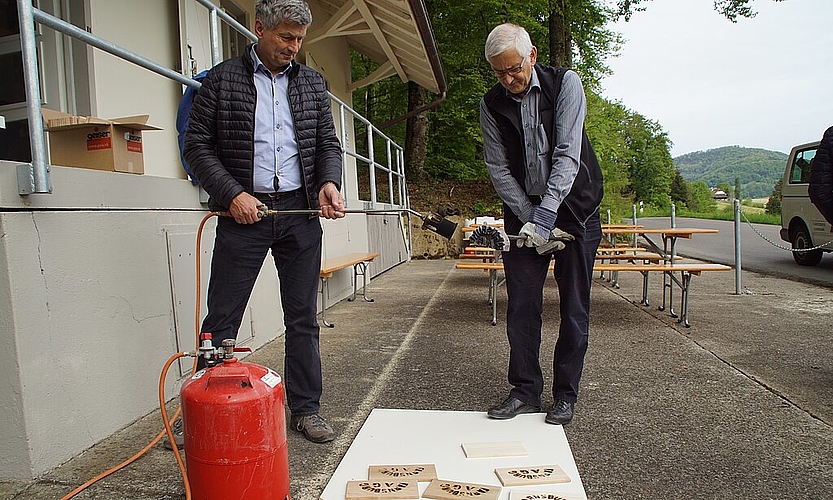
{"type": "Point", "coordinates": [276, 148]}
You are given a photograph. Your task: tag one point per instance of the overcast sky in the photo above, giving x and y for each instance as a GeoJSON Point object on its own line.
{"type": "Point", "coordinates": [764, 82]}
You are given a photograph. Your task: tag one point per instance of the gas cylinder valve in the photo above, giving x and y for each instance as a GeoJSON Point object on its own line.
{"type": "Point", "coordinates": [228, 349]}
{"type": "Point", "coordinates": [207, 349]}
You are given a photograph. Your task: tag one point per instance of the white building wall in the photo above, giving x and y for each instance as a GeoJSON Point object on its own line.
{"type": "Point", "coordinates": [149, 28]}
{"type": "Point", "coordinates": [97, 279]}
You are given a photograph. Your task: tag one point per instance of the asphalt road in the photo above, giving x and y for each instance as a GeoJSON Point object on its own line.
{"type": "Point", "coordinates": [762, 250]}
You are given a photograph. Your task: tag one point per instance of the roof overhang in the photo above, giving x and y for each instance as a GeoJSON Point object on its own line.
{"type": "Point", "coordinates": [394, 33]}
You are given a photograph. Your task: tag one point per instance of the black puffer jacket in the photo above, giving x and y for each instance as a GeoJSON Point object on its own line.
{"type": "Point", "coordinates": [821, 176]}
{"type": "Point", "coordinates": [219, 143]}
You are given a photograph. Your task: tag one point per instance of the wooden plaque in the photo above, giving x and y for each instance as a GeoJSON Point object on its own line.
{"type": "Point", "coordinates": [532, 495]}
{"type": "Point", "coordinates": [367, 490]}
{"type": "Point", "coordinates": [441, 489]}
{"type": "Point", "coordinates": [410, 472]}
{"type": "Point", "coordinates": [496, 449]}
{"type": "Point", "coordinates": [537, 474]}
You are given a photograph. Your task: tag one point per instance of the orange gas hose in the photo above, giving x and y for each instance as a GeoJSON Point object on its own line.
{"type": "Point", "coordinates": [121, 465]}
{"type": "Point", "coordinates": [168, 422]}
{"type": "Point", "coordinates": [168, 431]}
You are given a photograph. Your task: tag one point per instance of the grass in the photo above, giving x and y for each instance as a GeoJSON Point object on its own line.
{"type": "Point", "coordinates": [752, 210]}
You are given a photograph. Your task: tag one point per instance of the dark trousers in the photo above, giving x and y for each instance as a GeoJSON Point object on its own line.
{"type": "Point", "coordinates": [239, 250]}
{"type": "Point", "coordinates": [526, 272]}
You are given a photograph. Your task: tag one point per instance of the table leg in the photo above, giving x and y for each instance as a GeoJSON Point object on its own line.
{"type": "Point", "coordinates": [363, 274]}
{"type": "Point", "coordinates": [325, 290]}
{"type": "Point", "coordinates": [686, 285]}
{"type": "Point", "coordinates": [492, 286]}
{"type": "Point", "coordinates": [673, 240]}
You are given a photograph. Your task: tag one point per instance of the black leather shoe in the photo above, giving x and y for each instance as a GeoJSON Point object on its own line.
{"type": "Point", "coordinates": [511, 407]}
{"type": "Point", "coordinates": [561, 413]}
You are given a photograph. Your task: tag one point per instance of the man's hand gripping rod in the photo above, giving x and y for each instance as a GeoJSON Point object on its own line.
{"type": "Point", "coordinates": [432, 222]}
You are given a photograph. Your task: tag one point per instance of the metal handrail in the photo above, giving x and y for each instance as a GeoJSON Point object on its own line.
{"type": "Point", "coordinates": [39, 179]}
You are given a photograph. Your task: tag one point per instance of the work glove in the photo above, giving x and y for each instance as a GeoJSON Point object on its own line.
{"type": "Point", "coordinates": [556, 242]}
{"type": "Point", "coordinates": [537, 231]}
{"type": "Point", "coordinates": [532, 235]}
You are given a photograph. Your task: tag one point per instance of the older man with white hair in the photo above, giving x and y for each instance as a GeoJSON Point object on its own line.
{"type": "Point", "coordinates": [544, 170]}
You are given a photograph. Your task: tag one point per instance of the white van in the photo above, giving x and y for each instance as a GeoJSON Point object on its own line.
{"type": "Point", "coordinates": [801, 223]}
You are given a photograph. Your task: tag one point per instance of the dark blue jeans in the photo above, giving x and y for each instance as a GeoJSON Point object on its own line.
{"type": "Point", "coordinates": [239, 250]}
{"type": "Point", "coordinates": [526, 272]}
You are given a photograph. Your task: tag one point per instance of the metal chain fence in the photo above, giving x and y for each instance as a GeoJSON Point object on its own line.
{"type": "Point", "coordinates": [778, 245]}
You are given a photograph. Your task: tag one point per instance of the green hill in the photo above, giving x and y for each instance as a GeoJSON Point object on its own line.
{"type": "Point", "coordinates": [757, 169]}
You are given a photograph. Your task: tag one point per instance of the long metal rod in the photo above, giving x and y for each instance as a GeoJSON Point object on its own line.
{"type": "Point", "coordinates": [309, 211]}
{"type": "Point", "coordinates": [737, 248]}
{"type": "Point", "coordinates": [228, 19]}
{"type": "Point", "coordinates": [214, 26]}
{"type": "Point", "coordinates": [100, 43]}
{"type": "Point", "coordinates": [40, 170]}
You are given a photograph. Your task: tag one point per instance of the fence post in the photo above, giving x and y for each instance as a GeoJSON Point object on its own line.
{"type": "Point", "coordinates": [673, 215]}
{"type": "Point", "coordinates": [633, 240]}
{"type": "Point", "coordinates": [737, 247]}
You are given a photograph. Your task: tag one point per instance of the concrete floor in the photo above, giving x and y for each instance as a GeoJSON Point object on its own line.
{"type": "Point", "coordinates": [739, 405]}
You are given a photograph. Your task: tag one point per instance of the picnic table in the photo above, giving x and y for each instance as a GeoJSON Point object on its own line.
{"type": "Point", "coordinates": [615, 259]}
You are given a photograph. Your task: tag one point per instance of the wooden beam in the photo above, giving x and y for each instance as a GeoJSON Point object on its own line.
{"type": "Point", "coordinates": [380, 38]}
{"type": "Point", "coordinates": [334, 24]}
{"type": "Point", "coordinates": [382, 72]}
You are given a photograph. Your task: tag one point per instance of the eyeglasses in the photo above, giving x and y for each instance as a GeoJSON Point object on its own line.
{"type": "Point", "coordinates": [500, 73]}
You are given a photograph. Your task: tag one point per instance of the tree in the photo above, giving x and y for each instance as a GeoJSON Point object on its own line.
{"type": "Point", "coordinates": [651, 168]}
{"type": "Point", "coordinates": [416, 133]}
{"type": "Point", "coordinates": [679, 188]}
{"type": "Point", "coordinates": [632, 150]}
{"type": "Point", "coordinates": [700, 198]}
{"type": "Point", "coordinates": [773, 204]}
{"type": "Point", "coordinates": [731, 9]}
{"type": "Point", "coordinates": [577, 37]}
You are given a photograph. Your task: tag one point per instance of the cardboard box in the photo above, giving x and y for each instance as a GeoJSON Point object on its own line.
{"type": "Point", "coordinates": [89, 142]}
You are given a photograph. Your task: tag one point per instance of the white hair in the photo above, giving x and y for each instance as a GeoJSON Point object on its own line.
{"type": "Point", "coordinates": [272, 12]}
{"type": "Point", "coordinates": [508, 36]}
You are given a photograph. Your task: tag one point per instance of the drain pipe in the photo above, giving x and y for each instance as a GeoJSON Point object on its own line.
{"type": "Point", "coordinates": [424, 26]}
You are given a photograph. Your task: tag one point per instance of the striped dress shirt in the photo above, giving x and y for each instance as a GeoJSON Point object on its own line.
{"type": "Point", "coordinates": [548, 176]}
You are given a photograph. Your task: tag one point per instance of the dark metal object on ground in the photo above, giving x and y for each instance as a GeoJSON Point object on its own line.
{"type": "Point", "coordinates": [487, 236]}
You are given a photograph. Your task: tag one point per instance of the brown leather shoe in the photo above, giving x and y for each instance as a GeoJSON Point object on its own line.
{"type": "Point", "coordinates": [511, 407]}
{"type": "Point", "coordinates": [315, 428]}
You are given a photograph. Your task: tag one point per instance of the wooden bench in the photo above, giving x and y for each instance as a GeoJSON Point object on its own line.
{"type": "Point", "coordinates": [686, 269]}
{"type": "Point", "coordinates": [494, 281]}
{"type": "Point", "coordinates": [609, 250]}
{"type": "Point", "coordinates": [483, 254]}
{"type": "Point", "coordinates": [630, 256]}
{"type": "Point", "coordinates": [359, 261]}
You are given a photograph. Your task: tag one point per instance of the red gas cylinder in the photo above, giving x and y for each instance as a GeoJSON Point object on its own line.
{"type": "Point", "coordinates": [235, 433]}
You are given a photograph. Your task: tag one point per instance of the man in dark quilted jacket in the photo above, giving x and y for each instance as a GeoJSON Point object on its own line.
{"type": "Point", "coordinates": [821, 176]}
{"type": "Point", "coordinates": [261, 133]}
